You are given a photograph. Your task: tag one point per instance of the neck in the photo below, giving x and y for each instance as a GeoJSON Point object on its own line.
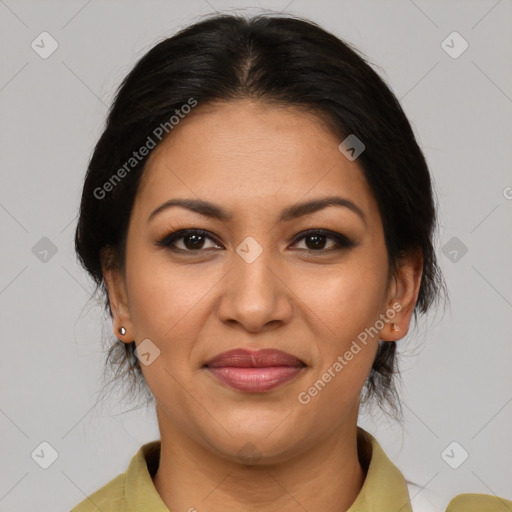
{"type": "Point", "coordinates": [328, 476]}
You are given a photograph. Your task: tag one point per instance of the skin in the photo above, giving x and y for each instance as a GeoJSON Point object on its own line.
{"type": "Point", "coordinates": [255, 160]}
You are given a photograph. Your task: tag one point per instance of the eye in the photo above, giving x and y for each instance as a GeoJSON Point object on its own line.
{"type": "Point", "coordinates": [316, 240]}
{"type": "Point", "coordinates": [194, 239]}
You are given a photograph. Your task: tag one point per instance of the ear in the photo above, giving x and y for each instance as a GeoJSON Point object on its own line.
{"type": "Point", "coordinates": [403, 295]}
{"type": "Point", "coordinates": [117, 296]}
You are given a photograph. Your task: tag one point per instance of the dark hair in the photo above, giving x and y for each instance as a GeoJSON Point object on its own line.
{"type": "Point", "coordinates": [284, 60]}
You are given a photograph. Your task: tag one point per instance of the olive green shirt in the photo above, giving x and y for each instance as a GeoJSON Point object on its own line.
{"type": "Point", "coordinates": [384, 488]}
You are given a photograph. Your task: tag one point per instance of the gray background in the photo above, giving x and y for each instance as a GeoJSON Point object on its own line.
{"type": "Point", "coordinates": [456, 369]}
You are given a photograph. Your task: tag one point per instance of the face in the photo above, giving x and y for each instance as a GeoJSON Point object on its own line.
{"type": "Point", "coordinates": [263, 275]}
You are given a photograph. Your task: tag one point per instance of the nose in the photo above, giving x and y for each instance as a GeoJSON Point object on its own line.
{"type": "Point", "coordinates": [256, 296]}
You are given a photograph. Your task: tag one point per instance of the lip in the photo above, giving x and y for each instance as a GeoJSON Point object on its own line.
{"type": "Point", "coordinates": [254, 371]}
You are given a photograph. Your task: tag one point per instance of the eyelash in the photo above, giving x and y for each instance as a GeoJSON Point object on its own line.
{"type": "Point", "coordinates": [342, 242]}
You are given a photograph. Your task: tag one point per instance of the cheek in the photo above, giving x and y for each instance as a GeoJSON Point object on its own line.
{"type": "Point", "coordinates": [166, 307]}
{"type": "Point", "coordinates": [163, 296]}
{"type": "Point", "coordinates": [346, 298]}
{"type": "Point", "coordinates": [342, 305]}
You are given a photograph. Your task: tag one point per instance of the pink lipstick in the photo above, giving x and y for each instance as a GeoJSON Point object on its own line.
{"type": "Point", "coordinates": [254, 371]}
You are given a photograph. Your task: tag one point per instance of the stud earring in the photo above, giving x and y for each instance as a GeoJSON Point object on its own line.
{"type": "Point", "coordinates": [122, 330]}
{"type": "Point", "coordinates": [395, 327]}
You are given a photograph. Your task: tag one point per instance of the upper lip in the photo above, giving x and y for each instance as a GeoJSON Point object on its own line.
{"type": "Point", "coordinates": [242, 358]}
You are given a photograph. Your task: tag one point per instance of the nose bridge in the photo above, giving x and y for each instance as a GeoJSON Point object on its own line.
{"type": "Point", "coordinates": [255, 295]}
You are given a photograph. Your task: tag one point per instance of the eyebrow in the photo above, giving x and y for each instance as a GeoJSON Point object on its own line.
{"type": "Point", "coordinates": [214, 211]}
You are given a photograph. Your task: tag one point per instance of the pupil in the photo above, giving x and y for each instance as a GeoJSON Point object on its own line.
{"type": "Point", "coordinates": [196, 243]}
{"type": "Point", "coordinates": [317, 244]}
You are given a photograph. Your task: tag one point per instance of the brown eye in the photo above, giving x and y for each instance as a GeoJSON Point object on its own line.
{"type": "Point", "coordinates": [316, 241]}
{"type": "Point", "coordinates": [193, 240]}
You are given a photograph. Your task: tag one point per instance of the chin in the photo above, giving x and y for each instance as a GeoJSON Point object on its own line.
{"type": "Point", "coordinates": [264, 441]}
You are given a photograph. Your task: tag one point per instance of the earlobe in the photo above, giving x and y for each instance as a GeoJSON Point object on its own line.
{"type": "Point", "coordinates": [118, 301]}
{"type": "Point", "coordinates": [405, 294]}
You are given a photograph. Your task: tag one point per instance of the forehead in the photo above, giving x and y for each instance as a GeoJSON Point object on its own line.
{"type": "Point", "coordinates": [245, 154]}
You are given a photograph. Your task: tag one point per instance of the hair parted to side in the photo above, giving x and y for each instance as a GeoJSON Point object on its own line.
{"type": "Point", "coordinates": [283, 60]}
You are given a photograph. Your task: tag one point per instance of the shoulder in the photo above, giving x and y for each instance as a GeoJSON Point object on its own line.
{"type": "Point", "coordinates": [478, 503]}
{"type": "Point", "coordinates": [109, 498]}
{"type": "Point", "coordinates": [129, 489]}
{"type": "Point", "coordinates": [424, 500]}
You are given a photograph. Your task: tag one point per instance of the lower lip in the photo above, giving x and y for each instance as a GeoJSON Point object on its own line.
{"type": "Point", "coordinates": [255, 380]}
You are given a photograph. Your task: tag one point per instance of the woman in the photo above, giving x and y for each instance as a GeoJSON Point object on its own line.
{"type": "Point", "coordinates": [260, 218]}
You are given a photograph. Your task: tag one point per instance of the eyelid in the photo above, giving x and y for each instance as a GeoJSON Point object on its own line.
{"type": "Point", "coordinates": [178, 234]}
{"type": "Point", "coordinates": [342, 241]}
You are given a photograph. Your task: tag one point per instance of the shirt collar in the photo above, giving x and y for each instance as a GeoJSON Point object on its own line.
{"type": "Point", "coordinates": [384, 488]}
{"type": "Point", "coordinates": [140, 491]}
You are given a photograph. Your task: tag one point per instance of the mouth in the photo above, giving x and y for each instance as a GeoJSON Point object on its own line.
{"type": "Point", "coordinates": [255, 371]}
